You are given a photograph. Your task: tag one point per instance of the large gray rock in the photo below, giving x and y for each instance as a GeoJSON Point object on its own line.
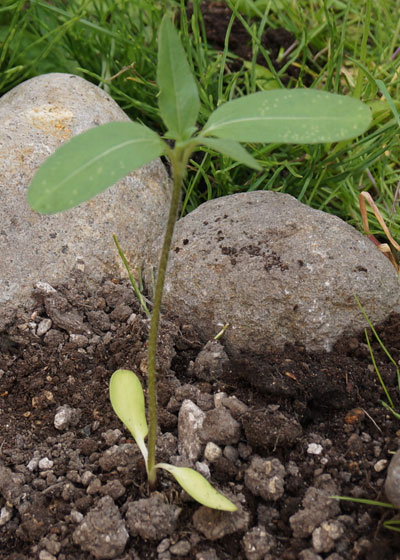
{"type": "Point", "coordinates": [36, 117]}
{"type": "Point", "coordinates": [277, 271]}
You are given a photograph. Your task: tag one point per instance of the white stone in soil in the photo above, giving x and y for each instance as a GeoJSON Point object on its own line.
{"type": "Point", "coordinates": [392, 483]}
{"type": "Point", "coordinates": [45, 464]}
{"type": "Point", "coordinates": [277, 271]}
{"type": "Point", "coordinates": [6, 514]}
{"type": "Point", "coordinates": [36, 118]}
{"type": "Point", "coordinates": [190, 422]}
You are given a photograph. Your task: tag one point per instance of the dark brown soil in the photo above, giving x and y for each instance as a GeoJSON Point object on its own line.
{"type": "Point", "coordinates": [294, 399]}
{"type": "Point", "coordinates": [276, 44]}
{"type": "Point", "coordinates": [316, 418]}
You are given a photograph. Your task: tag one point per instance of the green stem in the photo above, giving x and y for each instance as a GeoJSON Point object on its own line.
{"type": "Point", "coordinates": [178, 158]}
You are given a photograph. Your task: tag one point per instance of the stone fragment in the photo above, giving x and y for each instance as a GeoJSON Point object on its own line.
{"type": "Point", "coordinates": [10, 485]}
{"type": "Point", "coordinates": [66, 416]}
{"type": "Point", "coordinates": [102, 531]}
{"type": "Point", "coordinates": [265, 478]}
{"type": "Point", "coordinates": [6, 514]}
{"type": "Point", "coordinates": [210, 361]}
{"type": "Point", "coordinates": [37, 117]}
{"type": "Point", "coordinates": [392, 482]}
{"type": "Point", "coordinates": [120, 456]}
{"type": "Point", "coordinates": [113, 488]}
{"type": "Point", "coordinates": [318, 506]}
{"type": "Point", "coordinates": [215, 524]}
{"type": "Point", "coordinates": [181, 548]}
{"type": "Point", "coordinates": [190, 421]}
{"type": "Point", "coordinates": [151, 518]}
{"type": "Point", "coordinates": [212, 452]}
{"type": "Point", "coordinates": [43, 327]}
{"type": "Point", "coordinates": [45, 463]}
{"type": "Point", "coordinates": [257, 542]}
{"type": "Point", "coordinates": [271, 267]}
{"type": "Point", "coordinates": [324, 537]}
{"type": "Point", "coordinates": [220, 427]}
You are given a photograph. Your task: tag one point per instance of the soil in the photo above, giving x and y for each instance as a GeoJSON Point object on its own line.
{"type": "Point", "coordinates": [316, 420]}
{"type": "Point", "coordinates": [282, 432]}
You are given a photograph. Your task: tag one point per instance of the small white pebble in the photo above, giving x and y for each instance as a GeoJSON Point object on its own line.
{"type": "Point", "coordinates": [44, 555]}
{"type": "Point", "coordinates": [76, 516]}
{"type": "Point", "coordinates": [33, 464]}
{"type": "Point", "coordinates": [381, 465]}
{"type": "Point", "coordinates": [314, 449]}
{"type": "Point", "coordinates": [45, 288]}
{"type": "Point", "coordinates": [218, 397]}
{"type": "Point", "coordinates": [43, 327]}
{"type": "Point", "coordinates": [212, 452]}
{"type": "Point", "coordinates": [45, 464]}
{"type": "Point", "coordinates": [203, 469]}
{"type": "Point", "coordinates": [5, 515]}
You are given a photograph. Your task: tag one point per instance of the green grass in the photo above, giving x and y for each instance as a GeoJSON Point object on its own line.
{"type": "Point", "coordinates": [341, 47]}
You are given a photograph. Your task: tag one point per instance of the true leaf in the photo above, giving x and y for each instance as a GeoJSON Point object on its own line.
{"type": "Point", "coordinates": [232, 149]}
{"type": "Point", "coordinates": [89, 163]}
{"type": "Point", "coordinates": [296, 116]}
{"type": "Point", "coordinates": [178, 100]}
{"type": "Point", "coordinates": [127, 400]}
{"type": "Point", "coordinates": [198, 487]}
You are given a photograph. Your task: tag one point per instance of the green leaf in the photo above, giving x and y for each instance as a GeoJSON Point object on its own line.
{"type": "Point", "coordinates": [298, 116]}
{"type": "Point", "coordinates": [178, 100]}
{"type": "Point", "coordinates": [389, 100]}
{"type": "Point", "coordinates": [89, 163]}
{"type": "Point", "coordinates": [198, 487]}
{"type": "Point", "coordinates": [232, 149]}
{"type": "Point", "coordinates": [127, 400]}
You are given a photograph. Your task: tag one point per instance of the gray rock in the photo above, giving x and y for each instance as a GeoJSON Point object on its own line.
{"type": "Point", "coordinates": [215, 524]}
{"type": "Point", "coordinates": [66, 416]}
{"type": "Point", "coordinates": [151, 518]}
{"type": "Point", "coordinates": [265, 478]}
{"type": "Point", "coordinates": [190, 421]}
{"type": "Point", "coordinates": [212, 452]}
{"type": "Point", "coordinates": [11, 485]}
{"type": "Point", "coordinates": [309, 554]}
{"type": "Point", "coordinates": [102, 532]}
{"type": "Point", "coordinates": [126, 454]}
{"type": "Point", "coordinates": [6, 514]}
{"type": "Point", "coordinates": [317, 507]}
{"type": "Point", "coordinates": [181, 548]}
{"type": "Point", "coordinates": [277, 271]}
{"type": "Point", "coordinates": [392, 482]}
{"type": "Point", "coordinates": [257, 543]}
{"type": "Point", "coordinates": [324, 537]}
{"type": "Point", "coordinates": [220, 427]}
{"type": "Point", "coordinates": [36, 118]}
{"type": "Point", "coordinates": [210, 361]}
{"type": "Point", "coordinates": [208, 554]}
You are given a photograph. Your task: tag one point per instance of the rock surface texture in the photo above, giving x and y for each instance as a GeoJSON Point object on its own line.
{"type": "Point", "coordinates": [277, 271]}
{"type": "Point", "coordinates": [36, 118]}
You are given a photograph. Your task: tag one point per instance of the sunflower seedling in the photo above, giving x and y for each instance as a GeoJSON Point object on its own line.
{"type": "Point", "coordinates": [96, 159]}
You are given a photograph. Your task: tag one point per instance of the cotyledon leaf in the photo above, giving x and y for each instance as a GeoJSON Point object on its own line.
{"type": "Point", "coordinates": [198, 487]}
{"type": "Point", "coordinates": [89, 163]}
{"type": "Point", "coordinates": [295, 116]}
{"type": "Point", "coordinates": [127, 400]}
